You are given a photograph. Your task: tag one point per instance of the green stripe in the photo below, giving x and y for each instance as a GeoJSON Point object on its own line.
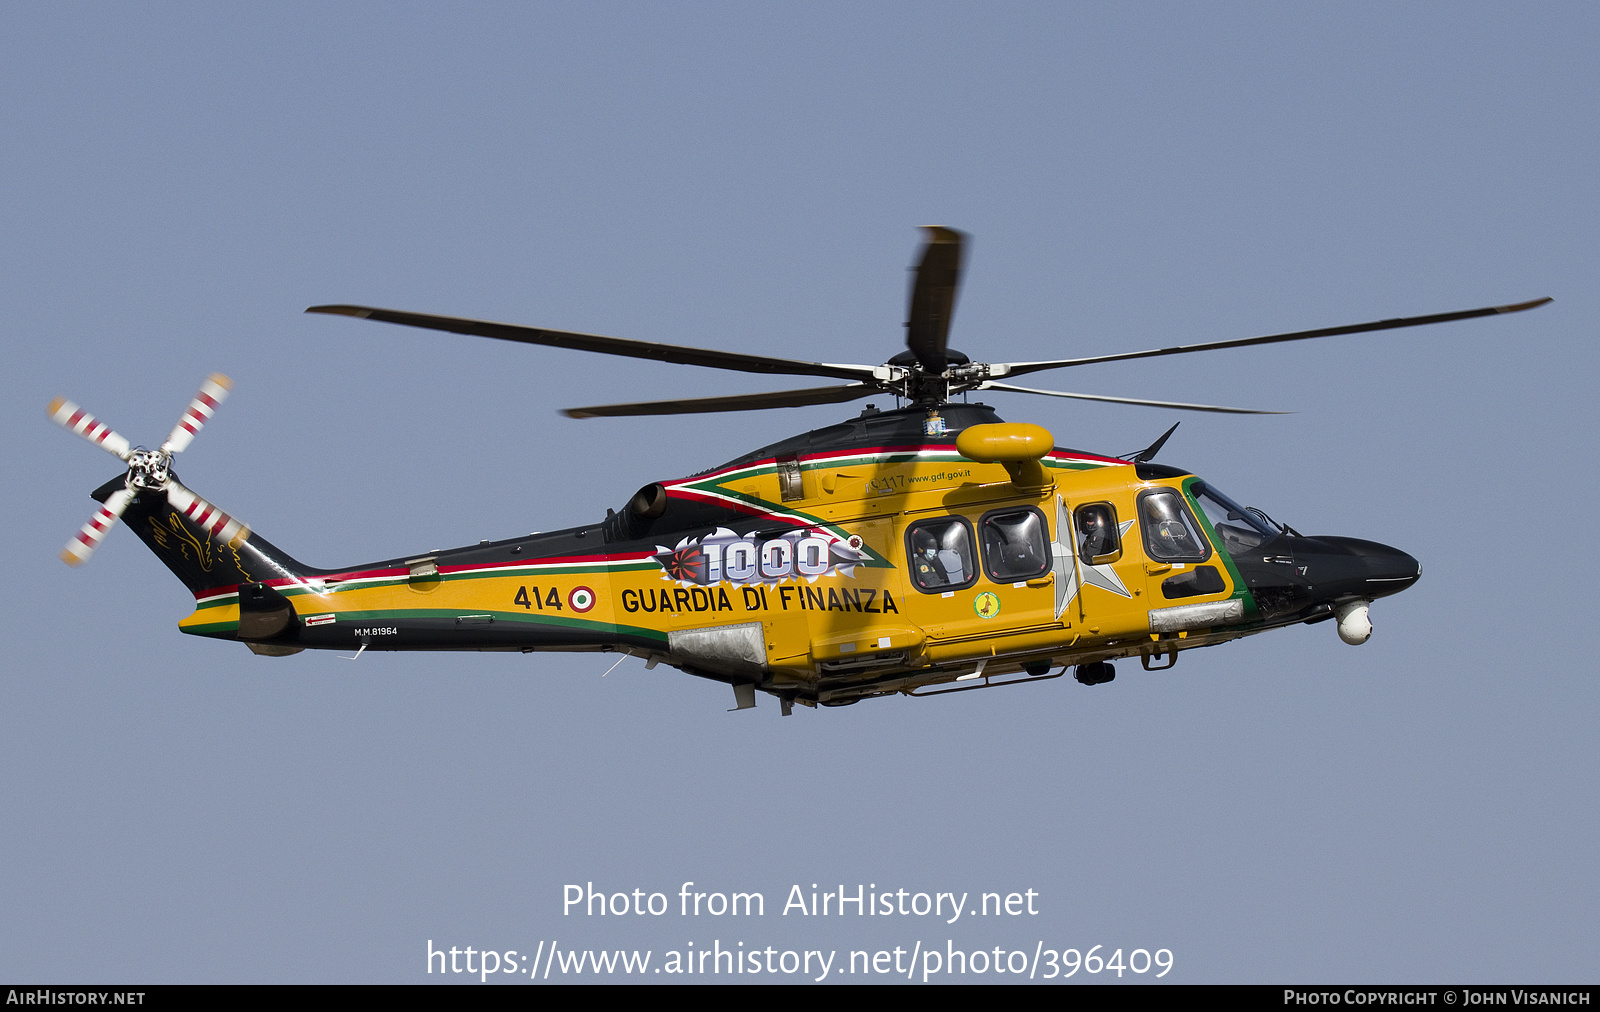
{"type": "Point", "coordinates": [224, 629]}
{"type": "Point", "coordinates": [507, 572]}
{"type": "Point", "coordinates": [582, 625]}
{"type": "Point", "coordinates": [874, 560]}
{"type": "Point", "coordinates": [1240, 591]}
{"type": "Point", "coordinates": [1074, 465]}
{"type": "Point", "coordinates": [361, 617]}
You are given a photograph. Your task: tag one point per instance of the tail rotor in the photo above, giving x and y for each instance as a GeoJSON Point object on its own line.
{"type": "Point", "coordinates": [202, 514]}
{"type": "Point", "coordinates": [74, 419]}
{"type": "Point", "coordinates": [92, 533]}
{"type": "Point", "coordinates": [212, 393]}
{"type": "Point", "coordinates": [148, 470]}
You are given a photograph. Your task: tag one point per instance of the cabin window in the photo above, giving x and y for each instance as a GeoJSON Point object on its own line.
{"type": "Point", "coordinates": [1170, 534]}
{"type": "Point", "coordinates": [941, 555]}
{"type": "Point", "coordinates": [1015, 545]}
{"type": "Point", "coordinates": [1099, 541]}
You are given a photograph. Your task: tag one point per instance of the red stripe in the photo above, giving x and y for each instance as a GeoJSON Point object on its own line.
{"type": "Point", "coordinates": [184, 424]}
{"type": "Point", "coordinates": [88, 541]}
{"type": "Point", "coordinates": [726, 503]}
{"type": "Point", "coordinates": [295, 581]}
{"type": "Point", "coordinates": [565, 560]}
{"type": "Point", "coordinates": [861, 452]}
{"type": "Point", "coordinates": [233, 588]}
{"type": "Point", "coordinates": [75, 416]}
{"type": "Point", "coordinates": [365, 574]}
{"type": "Point", "coordinates": [1055, 453]}
{"type": "Point", "coordinates": [205, 398]}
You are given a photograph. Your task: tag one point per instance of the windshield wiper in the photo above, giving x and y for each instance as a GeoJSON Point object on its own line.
{"type": "Point", "coordinates": [1285, 528]}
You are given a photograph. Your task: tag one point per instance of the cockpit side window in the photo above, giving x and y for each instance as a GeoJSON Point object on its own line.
{"type": "Point", "coordinates": [1099, 541]}
{"type": "Point", "coordinates": [1015, 545]}
{"type": "Point", "coordinates": [1170, 533]}
{"type": "Point", "coordinates": [940, 554]}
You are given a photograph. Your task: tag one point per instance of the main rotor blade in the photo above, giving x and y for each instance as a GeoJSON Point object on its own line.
{"type": "Point", "coordinates": [738, 402]}
{"type": "Point", "coordinates": [933, 297]}
{"type": "Point", "coordinates": [604, 345]}
{"type": "Point", "coordinates": [991, 385]}
{"type": "Point", "coordinates": [74, 419]}
{"type": "Point", "coordinates": [213, 391]}
{"type": "Point", "coordinates": [92, 533]}
{"type": "Point", "coordinates": [1020, 368]}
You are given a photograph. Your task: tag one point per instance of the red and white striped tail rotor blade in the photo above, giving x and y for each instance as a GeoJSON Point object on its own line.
{"type": "Point", "coordinates": [217, 524]}
{"type": "Point", "coordinates": [212, 393]}
{"type": "Point", "coordinates": [88, 539]}
{"type": "Point", "coordinates": [74, 419]}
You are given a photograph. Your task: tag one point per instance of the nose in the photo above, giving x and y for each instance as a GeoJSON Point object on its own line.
{"type": "Point", "coordinates": [1351, 567]}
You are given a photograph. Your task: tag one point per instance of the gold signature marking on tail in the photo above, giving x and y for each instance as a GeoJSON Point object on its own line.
{"type": "Point", "coordinates": [202, 549]}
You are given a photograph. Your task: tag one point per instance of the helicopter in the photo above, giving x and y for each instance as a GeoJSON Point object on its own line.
{"type": "Point", "coordinates": [922, 550]}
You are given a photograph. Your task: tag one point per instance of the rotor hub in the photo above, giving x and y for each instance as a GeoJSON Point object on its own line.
{"type": "Point", "coordinates": [149, 470]}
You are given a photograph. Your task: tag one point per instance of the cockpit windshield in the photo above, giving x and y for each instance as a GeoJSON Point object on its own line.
{"type": "Point", "coordinates": [1243, 528]}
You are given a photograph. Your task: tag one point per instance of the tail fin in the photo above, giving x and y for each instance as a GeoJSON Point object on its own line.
{"type": "Point", "coordinates": [193, 553]}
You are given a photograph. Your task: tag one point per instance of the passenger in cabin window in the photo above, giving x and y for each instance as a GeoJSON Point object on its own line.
{"type": "Point", "coordinates": [1097, 533]}
{"type": "Point", "coordinates": [928, 568]}
{"type": "Point", "coordinates": [941, 555]}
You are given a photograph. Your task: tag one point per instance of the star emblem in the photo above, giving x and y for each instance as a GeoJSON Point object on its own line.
{"type": "Point", "coordinates": [1062, 562]}
{"type": "Point", "coordinates": [1070, 574]}
{"type": "Point", "coordinates": [1104, 576]}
